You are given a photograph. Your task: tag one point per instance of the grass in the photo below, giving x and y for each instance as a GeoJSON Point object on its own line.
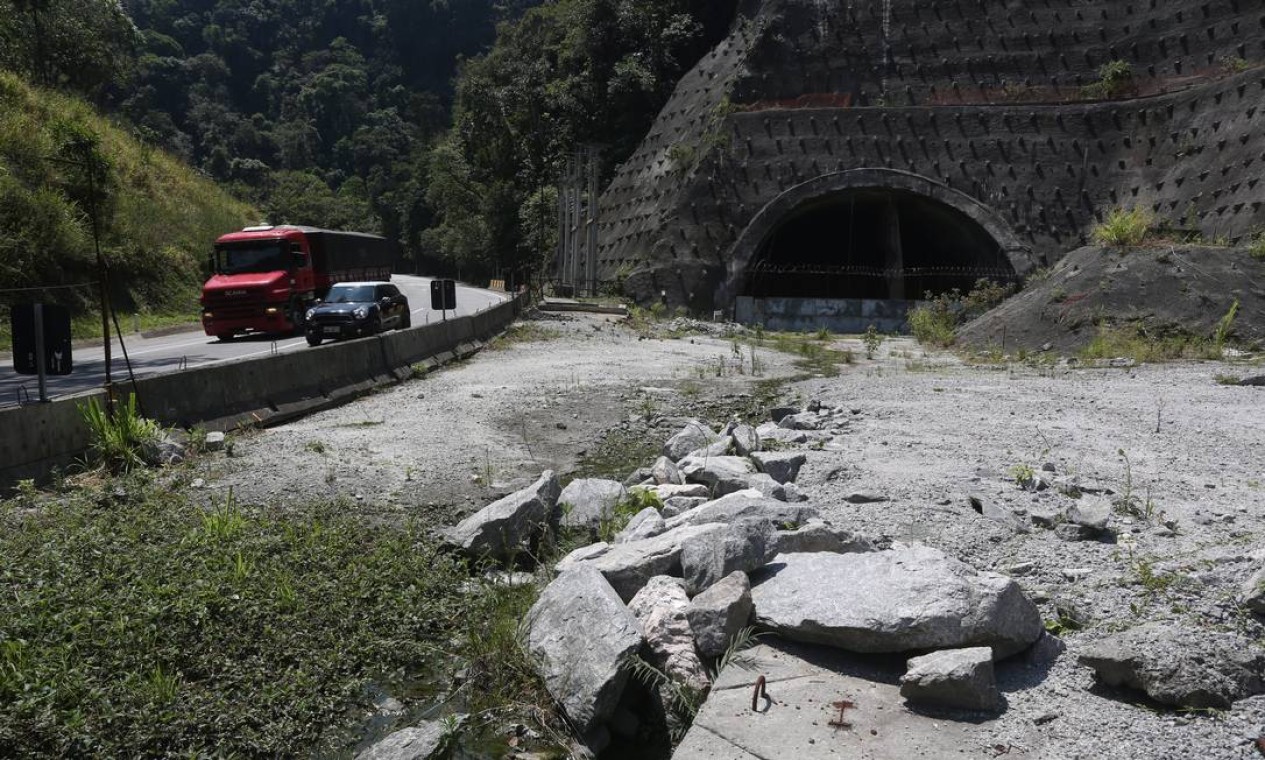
{"type": "Point", "coordinates": [1123, 227]}
{"type": "Point", "coordinates": [1135, 341]}
{"type": "Point", "coordinates": [119, 440]}
{"type": "Point", "coordinates": [523, 332]}
{"type": "Point", "coordinates": [1257, 247]}
{"type": "Point", "coordinates": [139, 624]}
{"type": "Point", "coordinates": [812, 355]}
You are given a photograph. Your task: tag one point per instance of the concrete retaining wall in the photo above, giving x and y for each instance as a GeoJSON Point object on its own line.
{"type": "Point", "coordinates": [270, 389]}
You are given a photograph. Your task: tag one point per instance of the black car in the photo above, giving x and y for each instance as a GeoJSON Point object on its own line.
{"type": "Point", "coordinates": [357, 308]}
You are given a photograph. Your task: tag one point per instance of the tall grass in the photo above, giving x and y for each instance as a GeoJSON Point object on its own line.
{"type": "Point", "coordinates": [119, 441]}
{"type": "Point", "coordinates": [1124, 227]}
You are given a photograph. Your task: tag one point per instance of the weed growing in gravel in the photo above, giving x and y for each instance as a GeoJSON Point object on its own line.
{"type": "Point", "coordinates": [523, 332]}
{"type": "Point", "coordinates": [1137, 342]}
{"type": "Point", "coordinates": [872, 340]}
{"type": "Point", "coordinates": [1226, 379]}
{"type": "Point", "coordinates": [316, 447]}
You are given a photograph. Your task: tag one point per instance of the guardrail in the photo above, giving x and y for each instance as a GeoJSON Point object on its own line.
{"type": "Point", "coordinates": [268, 389]}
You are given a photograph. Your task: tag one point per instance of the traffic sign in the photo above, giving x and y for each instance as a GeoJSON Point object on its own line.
{"type": "Point", "coordinates": [443, 295]}
{"type": "Point", "coordinates": [29, 320]}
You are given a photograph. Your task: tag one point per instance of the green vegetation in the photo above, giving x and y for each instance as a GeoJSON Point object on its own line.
{"type": "Point", "coordinates": [935, 321]}
{"type": "Point", "coordinates": [1124, 227]}
{"type": "Point", "coordinates": [624, 511]}
{"type": "Point", "coordinates": [119, 440]}
{"type": "Point", "coordinates": [872, 340]}
{"type": "Point", "coordinates": [1257, 247]}
{"type": "Point", "coordinates": [1141, 343]}
{"type": "Point", "coordinates": [1114, 79]}
{"type": "Point", "coordinates": [523, 332]}
{"type": "Point", "coordinates": [137, 622]}
{"type": "Point", "coordinates": [157, 217]}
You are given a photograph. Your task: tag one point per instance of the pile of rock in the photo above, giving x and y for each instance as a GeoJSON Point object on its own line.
{"type": "Point", "coordinates": [734, 544]}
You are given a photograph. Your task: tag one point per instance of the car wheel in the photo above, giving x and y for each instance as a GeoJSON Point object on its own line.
{"type": "Point", "coordinates": [224, 337]}
{"type": "Point", "coordinates": [313, 339]}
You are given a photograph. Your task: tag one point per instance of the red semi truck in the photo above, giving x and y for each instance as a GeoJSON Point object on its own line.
{"type": "Point", "coordinates": [264, 279]}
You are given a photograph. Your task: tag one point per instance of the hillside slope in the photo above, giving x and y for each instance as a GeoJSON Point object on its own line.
{"type": "Point", "coordinates": [157, 216]}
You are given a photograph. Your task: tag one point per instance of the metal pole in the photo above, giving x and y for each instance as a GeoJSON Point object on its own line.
{"type": "Point", "coordinates": [592, 230]}
{"type": "Point", "coordinates": [41, 358]}
{"type": "Point", "coordinates": [105, 294]}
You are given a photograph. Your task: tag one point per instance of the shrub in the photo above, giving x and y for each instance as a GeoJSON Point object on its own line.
{"type": "Point", "coordinates": [119, 441]}
{"type": "Point", "coordinates": [1257, 247]}
{"type": "Point", "coordinates": [1114, 78]}
{"type": "Point", "coordinates": [933, 322]}
{"type": "Point", "coordinates": [1123, 227]}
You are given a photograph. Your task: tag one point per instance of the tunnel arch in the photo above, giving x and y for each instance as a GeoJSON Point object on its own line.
{"type": "Point", "coordinates": [952, 208]}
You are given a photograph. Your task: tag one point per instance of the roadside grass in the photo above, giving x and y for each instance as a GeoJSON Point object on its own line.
{"type": "Point", "coordinates": [812, 355]}
{"type": "Point", "coordinates": [523, 332]}
{"type": "Point", "coordinates": [137, 623]}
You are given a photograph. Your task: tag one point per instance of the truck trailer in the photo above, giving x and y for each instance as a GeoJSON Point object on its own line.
{"type": "Point", "coordinates": [264, 279]}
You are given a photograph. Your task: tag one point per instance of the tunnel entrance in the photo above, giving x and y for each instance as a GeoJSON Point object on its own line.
{"type": "Point", "coordinates": [861, 256]}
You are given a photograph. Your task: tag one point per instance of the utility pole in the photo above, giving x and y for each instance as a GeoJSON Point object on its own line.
{"type": "Point", "coordinates": [577, 221]}
{"type": "Point", "coordinates": [102, 280]}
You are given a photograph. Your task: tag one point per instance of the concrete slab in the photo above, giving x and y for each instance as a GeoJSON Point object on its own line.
{"type": "Point", "coordinates": [804, 685]}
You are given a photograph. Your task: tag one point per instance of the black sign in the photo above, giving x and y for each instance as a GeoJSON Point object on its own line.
{"type": "Point", "coordinates": [56, 319]}
{"type": "Point", "coordinates": [443, 295]}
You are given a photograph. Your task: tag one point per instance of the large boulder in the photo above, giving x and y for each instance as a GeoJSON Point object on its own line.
{"type": "Point", "coordinates": [818, 536]}
{"type": "Point", "coordinates": [645, 524]}
{"type": "Point", "coordinates": [746, 439]}
{"type": "Point", "coordinates": [695, 435]}
{"type": "Point", "coordinates": [767, 486]}
{"type": "Point", "coordinates": [745, 504]}
{"type": "Point", "coordinates": [782, 466]}
{"type": "Point", "coordinates": [665, 472]}
{"type": "Point", "coordinates": [579, 637]}
{"type": "Point", "coordinates": [905, 598]}
{"type": "Point", "coordinates": [722, 474]}
{"type": "Point", "coordinates": [586, 502]}
{"type": "Point", "coordinates": [628, 566]}
{"type": "Point", "coordinates": [509, 525]}
{"type": "Point", "coordinates": [660, 606]}
{"type": "Point", "coordinates": [421, 742]}
{"type": "Point", "coordinates": [741, 545]}
{"type": "Point", "coordinates": [719, 613]}
{"type": "Point", "coordinates": [1252, 592]}
{"type": "Point", "coordinates": [961, 678]}
{"type": "Point", "coordinates": [1180, 666]}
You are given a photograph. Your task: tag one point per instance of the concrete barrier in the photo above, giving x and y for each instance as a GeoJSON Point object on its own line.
{"type": "Point", "coordinates": [265, 390]}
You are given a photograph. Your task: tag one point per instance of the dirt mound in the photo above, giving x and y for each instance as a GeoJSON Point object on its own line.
{"type": "Point", "coordinates": [1170, 290]}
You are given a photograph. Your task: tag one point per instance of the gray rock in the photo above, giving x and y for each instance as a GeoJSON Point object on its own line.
{"type": "Point", "coordinates": [163, 451]}
{"type": "Point", "coordinates": [740, 545]}
{"type": "Point", "coordinates": [579, 636]}
{"type": "Point", "coordinates": [782, 435]}
{"type": "Point", "coordinates": [511, 524]}
{"type": "Point", "coordinates": [676, 505]}
{"type": "Point", "coordinates": [660, 606]}
{"type": "Point", "coordinates": [746, 440]}
{"type": "Point", "coordinates": [1046, 516]}
{"type": "Point", "coordinates": [801, 421]}
{"type": "Point", "coordinates": [645, 524]}
{"type": "Point", "coordinates": [627, 567]}
{"type": "Point", "coordinates": [718, 448]}
{"type": "Point", "coordinates": [960, 678]}
{"type": "Point", "coordinates": [721, 474]}
{"type": "Point", "coordinates": [745, 504]}
{"type": "Point", "coordinates": [818, 536]}
{"type": "Point", "coordinates": [792, 493]}
{"type": "Point", "coordinates": [638, 476]}
{"type": "Point", "coordinates": [664, 471]}
{"type": "Point", "coordinates": [695, 435]}
{"type": "Point", "coordinates": [1179, 666]}
{"type": "Point", "coordinates": [421, 742]}
{"type": "Point", "coordinates": [782, 466]}
{"type": "Point", "coordinates": [767, 486]}
{"type": "Point", "coordinates": [778, 413]}
{"type": "Point", "coordinates": [908, 597]}
{"type": "Point", "coordinates": [1091, 513]}
{"type": "Point", "coordinates": [864, 497]}
{"type": "Point", "coordinates": [719, 613]}
{"type": "Point", "coordinates": [1252, 592]}
{"type": "Point", "coordinates": [692, 490]}
{"type": "Point", "coordinates": [586, 502]}
{"type": "Point", "coordinates": [214, 441]}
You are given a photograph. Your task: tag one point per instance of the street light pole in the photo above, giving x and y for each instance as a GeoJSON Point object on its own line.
{"type": "Point", "coordinates": [103, 283]}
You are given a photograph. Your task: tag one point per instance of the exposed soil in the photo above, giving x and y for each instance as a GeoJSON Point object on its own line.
{"type": "Point", "coordinates": [1167, 290]}
{"type": "Point", "coordinates": [927, 433]}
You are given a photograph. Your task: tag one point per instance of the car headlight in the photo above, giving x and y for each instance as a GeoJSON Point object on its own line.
{"type": "Point", "coordinates": [360, 312]}
{"type": "Point", "coordinates": [310, 313]}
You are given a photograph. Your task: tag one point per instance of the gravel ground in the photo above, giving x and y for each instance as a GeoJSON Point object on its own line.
{"type": "Point", "coordinates": [927, 432]}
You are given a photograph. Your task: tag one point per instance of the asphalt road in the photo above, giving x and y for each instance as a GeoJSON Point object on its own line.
{"type": "Point", "coordinates": [154, 356]}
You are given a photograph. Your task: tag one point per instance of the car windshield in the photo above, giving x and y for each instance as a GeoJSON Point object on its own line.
{"type": "Point", "coordinates": [250, 257]}
{"type": "Point", "coordinates": [350, 294]}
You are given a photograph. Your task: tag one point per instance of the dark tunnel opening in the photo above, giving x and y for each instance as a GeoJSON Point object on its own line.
{"type": "Point", "coordinates": [875, 244]}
